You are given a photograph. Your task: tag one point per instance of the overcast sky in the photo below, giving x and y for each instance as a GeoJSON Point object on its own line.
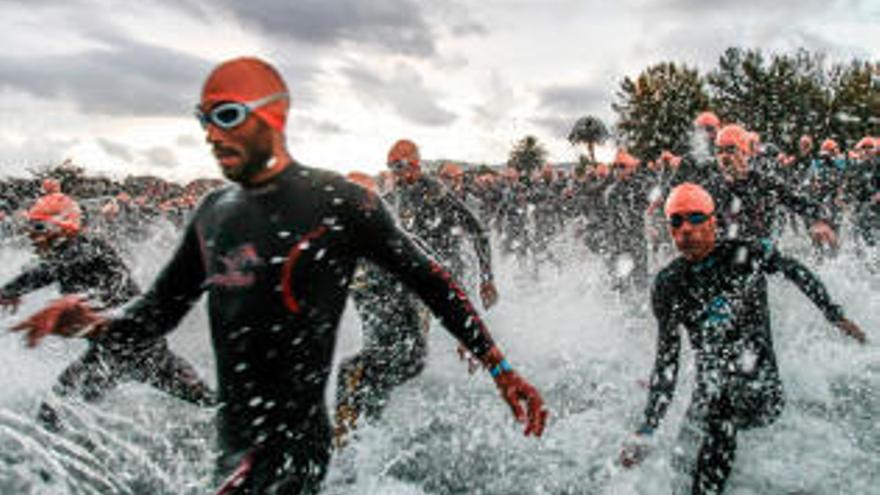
{"type": "Point", "coordinates": [111, 84]}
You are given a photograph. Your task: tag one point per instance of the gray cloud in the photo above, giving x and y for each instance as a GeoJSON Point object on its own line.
{"type": "Point", "coordinates": [404, 91]}
{"type": "Point", "coordinates": [126, 78]}
{"type": "Point", "coordinates": [757, 7]}
{"type": "Point", "coordinates": [497, 107]}
{"type": "Point", "coordinates": [557, 127]}
{"type": "Point", "coordinates": [18, 158]}
{"type": "Point", "coordinates": [697, 32]}
{"type": "Point", "coordinates": [161, 156]}
{"type": "Point", "coordinates": [559, 106]}
{"type": "Point", "coordinates": [321, 126]}
{"type": "Point", "coordinates": [573, 99]}
{"type": "Point", "coordinates": [396, 26]}
{"type": "Point", "coordinates": [116, 150]}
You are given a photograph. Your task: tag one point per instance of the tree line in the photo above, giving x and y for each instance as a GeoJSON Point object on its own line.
{"type": "Point", "coordinates": [781, 96]}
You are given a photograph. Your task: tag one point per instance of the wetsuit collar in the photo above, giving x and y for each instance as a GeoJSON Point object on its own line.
{"type": "Point", "coordinates": [266, 175]}
{"type": "Point", "coordinates": [708, 262]}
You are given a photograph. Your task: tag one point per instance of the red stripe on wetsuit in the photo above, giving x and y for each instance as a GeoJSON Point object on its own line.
{"type": "Point", "coordinates": [287, 272]}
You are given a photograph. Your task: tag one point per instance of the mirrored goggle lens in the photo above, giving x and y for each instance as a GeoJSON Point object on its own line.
{"type": "Point", "coordinates": [677, 220]}
{"type": "Point", "coordinates": [399, 166]}
{"type": "Point", "coordinates": [224, 116]}
{"type": "Point", "coordinates": [727, 150]}
{"type": "Point", "coordinates": [41, 227]}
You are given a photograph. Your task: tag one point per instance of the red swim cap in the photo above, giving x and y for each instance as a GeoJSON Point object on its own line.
{"type": "Point", "coordinates": [829, 146]}
{"type": "Point", "coordinates": [733, 135]}
{"type": "Point", "coordinates": [627, 160]}
{"type": "Point", "coordinates": [404, 150]}
{"type": "Point", "coordinates": [707, 119]}
{"type": "Point", "coordinates": [866, 143]}
{"type": "Point", "coordinates": [51, 185]}
{"type": "Point", "coordinates": [689, 198]}
{"type": "Point", "coordinates": [450, 171]}
{"type": "Point", "coordinates": [59, 209]}
{"type": "Point", "coordinates": [248, 79]}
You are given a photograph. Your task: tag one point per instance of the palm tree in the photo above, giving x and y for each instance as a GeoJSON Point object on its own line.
{"type": "Point", "coordinates": [588, 130]}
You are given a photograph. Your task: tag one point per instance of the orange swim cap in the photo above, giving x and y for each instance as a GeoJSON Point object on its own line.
{"type": "Point", "coordinates": [404, 150]}
{"type": "Point", "coordinates": [707, 119]}
{"type": "Point", "coordinates": [248, 79]}
{"type": "Point", "coordinates": [451, 170]}
{"type": "Point", "coordinates": [866, 143]}
{"type": "Point", "coordinates": [51, 185]}
{"type": "Point", "coordinates": [59, 209]}
{"type": "Point", "coordinates": [829, 146]}
{"type": "Point", "coordinates": [689, 198]}
{"type": "Point", "coordinates": [624, 158]}
{"type": "Point", "coordinates": [733, 135]}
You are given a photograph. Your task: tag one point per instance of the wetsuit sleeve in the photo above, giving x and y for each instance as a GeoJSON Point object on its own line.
{"type": "Point", "coordinates": [172, 294]}
{"type": "Point", "coordinates": [665, 373]}
{"type": "Point", "coordinates": [472, 225]}
{"type": "Point", "coordinates": [35, 278]}
{"type": "Point", "coordinates": [379, 239]}
{"type": "Point", "coordinates": [118, 286]}
{"type": "Point", "coordinates": [807, 281]}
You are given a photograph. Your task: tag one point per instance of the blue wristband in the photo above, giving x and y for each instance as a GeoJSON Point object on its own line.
{"type": "Point", "coordinates": [645, 430]}
{"type": "Point", "coordinates": [500, 368]}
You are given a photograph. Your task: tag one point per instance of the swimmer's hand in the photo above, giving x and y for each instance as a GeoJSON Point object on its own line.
{"type": "Point", "coordinates": [636, 449]}
{"type": "Point", "coordinates": [517, 392]}
{"type": "Point", "coordinates": [848, 327]}
{"type": "Point", "coordinates": [70, 316]}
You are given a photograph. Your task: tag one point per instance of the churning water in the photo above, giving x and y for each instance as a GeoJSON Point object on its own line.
{"type": "Point", "coordinates": [585, 347]}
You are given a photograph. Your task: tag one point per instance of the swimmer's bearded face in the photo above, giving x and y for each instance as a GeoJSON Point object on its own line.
{"type": "Point", "coordinates": [242, 151]}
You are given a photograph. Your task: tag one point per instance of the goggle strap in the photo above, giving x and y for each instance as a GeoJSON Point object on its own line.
{"type": "Point", "coordinates": [252, 105]}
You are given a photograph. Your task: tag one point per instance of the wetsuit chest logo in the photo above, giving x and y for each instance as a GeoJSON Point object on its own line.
{"type": "Point", "coordinates": [718, 314]}
{"type": "Point", "coordinates": [239, 266]}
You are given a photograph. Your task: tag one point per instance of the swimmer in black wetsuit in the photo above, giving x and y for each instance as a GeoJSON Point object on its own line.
{"type": "Point", "coordinates": [82, 264]}
{"type": "Point", "coordinates": [748, 200]}
{"type": "Point", "coordinates": [276, 252]}
{"type": "Point", "coordinates": [395, 343]}
{"type": "Point", "coordinates": [436, 218]}
{"type": "Point", "coordinates": [718, 292]}
{"type": "Point", "coordinates": [431, 212]}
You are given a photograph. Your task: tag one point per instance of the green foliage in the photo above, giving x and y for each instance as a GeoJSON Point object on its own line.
{"type": "Point", "coordinates": [780, 96]}
{"type": "Point", "coordinates": [781, 99]}
{"type": "Point", "coordinates": [656, 109]}
{"type": "Point", "coordinates": [527, 156]}
{"type": "Point", "coordinates": [855, 104]}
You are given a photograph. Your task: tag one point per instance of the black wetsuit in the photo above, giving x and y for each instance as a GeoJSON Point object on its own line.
{"type": "Point", "coordinates": [627, 201]}
{"type": "Point", "coordinates": [431, 212]}
{"type": "Point", "coordinates": [395, 346]}
{"type": "Point", "coordinates": [89, 266]}
{"type": "Point", "coordinates": [747, 208]}
{"type": "Point", "coordinates": [512, 219]}
{"type": "Point", "coordinates": [595, 213]}
{"type": "Point", "coordinates": [394, 325]}
{"type": "Point", "coordinates": [722, 303]}
{"type": "Point", "coordinates": [546, 197]}
{"type": "Point", "coordinates": [862, 183]}
{"type": "Point", "coordinates": [276, 261]}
